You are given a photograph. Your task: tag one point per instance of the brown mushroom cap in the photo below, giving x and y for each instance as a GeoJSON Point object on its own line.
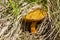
{"type": "Point", "coordinates": [35, 15]}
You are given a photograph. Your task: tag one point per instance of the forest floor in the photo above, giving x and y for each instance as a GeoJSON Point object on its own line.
{"type": "Point", "coordinates": [12, 11]}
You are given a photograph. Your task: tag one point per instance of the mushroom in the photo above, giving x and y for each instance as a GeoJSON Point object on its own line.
{"type": "Point", "coordinates": [34, 17]}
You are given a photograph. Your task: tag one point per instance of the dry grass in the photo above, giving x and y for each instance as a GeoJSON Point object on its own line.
{"type": "Point", "coordinates": [10, 20]}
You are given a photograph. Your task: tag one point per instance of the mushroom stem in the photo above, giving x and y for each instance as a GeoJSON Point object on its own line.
{"type": "Point", "coordinates": [33, 27]}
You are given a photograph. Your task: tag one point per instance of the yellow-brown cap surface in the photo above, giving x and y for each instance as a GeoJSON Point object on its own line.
{"type": "Point", "coordinates": [35, 15]}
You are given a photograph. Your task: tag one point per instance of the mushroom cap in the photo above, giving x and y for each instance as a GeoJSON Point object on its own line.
{"type": "Point", "coordinates": [35, 15]}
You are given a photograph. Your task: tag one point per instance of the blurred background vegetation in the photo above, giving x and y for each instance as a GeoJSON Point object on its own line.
{"type": "Point", "coordinates": [11, 12]}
